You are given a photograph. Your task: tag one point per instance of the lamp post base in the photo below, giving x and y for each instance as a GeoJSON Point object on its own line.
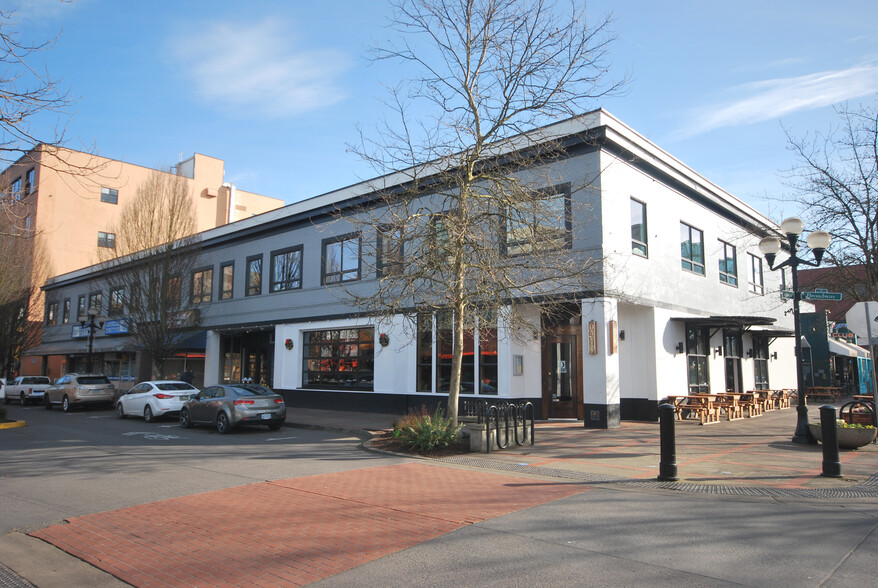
{"type": "Point", "coordinates": [803, 433]}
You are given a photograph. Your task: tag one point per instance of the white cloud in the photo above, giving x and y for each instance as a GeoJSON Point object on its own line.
{"type": "Point", "coordinates": [257, 67]}
{"type": "Point", "coordinates": [40, 10]}
{"type": "Point", "coordinates": [772, 99]}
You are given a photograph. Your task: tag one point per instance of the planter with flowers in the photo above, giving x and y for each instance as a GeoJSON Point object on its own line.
{"type": "Point", "coordinates": [850, 436]}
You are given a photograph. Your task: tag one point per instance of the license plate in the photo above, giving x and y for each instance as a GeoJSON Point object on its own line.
{"type": "Point", "coordinates": [265, 417]}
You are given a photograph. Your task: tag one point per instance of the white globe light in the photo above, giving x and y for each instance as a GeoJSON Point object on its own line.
{"type": "Point", "coordinates": [819, 240]}
{"type": "Point", "coordinates": [769, 246]}
{"type": "Point", "coordinates": [792, 226]}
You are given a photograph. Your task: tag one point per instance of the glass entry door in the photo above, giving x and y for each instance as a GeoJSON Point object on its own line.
{"type": "Point", "coordinates": [562, 378]}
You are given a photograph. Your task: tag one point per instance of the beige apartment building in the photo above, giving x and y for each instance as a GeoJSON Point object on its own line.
{"type": "Point", "coordinates": [71, 200]}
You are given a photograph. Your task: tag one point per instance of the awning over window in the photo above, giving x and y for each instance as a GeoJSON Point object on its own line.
{"type": "Point", "coordinates": [846, 349]}
{"type": "Point", "coordinates": [772, 333]}
{"type": "Point", "coordinates": [80, 346]}
{"type": "Point", "coordinates": [725, 322]}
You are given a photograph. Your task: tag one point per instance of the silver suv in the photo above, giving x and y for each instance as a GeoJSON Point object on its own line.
{"type": "Point", "coordinates": [72, 390]}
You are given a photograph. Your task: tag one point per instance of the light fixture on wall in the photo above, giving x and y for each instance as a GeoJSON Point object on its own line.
{"type": "Point", "coordinates": [749, 353]}
{"type": "Point", "coordinates": [622, 335]}
{"type": "Point", "coordinates": [718, 350]}
{"type": "Point", "coordinates": [774, 355]}
{"type": "Point", "coordinates": [679, 347]}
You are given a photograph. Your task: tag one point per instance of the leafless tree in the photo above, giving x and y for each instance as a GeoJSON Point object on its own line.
{"type": "Point", "coordinates": [149, 270]}
{"type": "Point", "coordinates": [481, 223]}
{"type": "Point", "coordinates": [835, 182]}
{"type": "Point", "coordinates": [24, 265]}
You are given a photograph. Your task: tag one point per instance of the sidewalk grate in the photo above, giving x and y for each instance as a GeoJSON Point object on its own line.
{"type": "Point", "coordinates": [9, 579]}
{"type": "Point", "coordinates": [866, 489]}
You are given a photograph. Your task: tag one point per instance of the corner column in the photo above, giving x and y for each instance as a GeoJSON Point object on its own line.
{"type": "Point", "coordinates": [600, 363]}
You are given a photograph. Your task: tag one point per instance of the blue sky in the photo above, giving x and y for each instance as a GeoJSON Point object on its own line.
{"type": "Point", "coordinates": [278, 88]}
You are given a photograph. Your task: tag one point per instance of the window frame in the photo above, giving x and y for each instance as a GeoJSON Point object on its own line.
{"type": "Point", "coordinates": [726, 277]}
{"type": "Point", "coordinates": [565, 243]}
{"type": "Point", "coordinates": [52, 312]}
{"type": "Point", "coordinates": [701, 358]}
{"type": "Point", "coordinates": [223, 293]}
{"type": "Point", "coordinates": [324, 259]}
{"type": "Point", "coordinates": [753, 286]}
{"type": "Point", "coordinates": [92, 296]}
{"type": "Point", "coordinates": [203, 294]}
{"type": "Point", "coordinates": [116, 307]}
{"type": "Point", "coordinates": [109, 195]}
{"type": "Point", "coordinates": [638, 243]}
{"type": "Point", "coordinates": [286, 285]}
{"type": "Point", "coordinates": [65, 312]}
{"type": "Point", "coordinates": [15, 189]}
{"type": "Point", "coordinates": [335, 352]}
{"type": "Point", "coordinates": [249, 288]}
{"type": "Point", "coordinates": [81, 307]}
{"type": "Point", "coordinates": [390, 259]}
{"type": "Point", "coordinates": [106, 240]}
{"type": "Point", "coordinates": [694, 265]}
{"type": "Point", "coordinates": [30, 181]}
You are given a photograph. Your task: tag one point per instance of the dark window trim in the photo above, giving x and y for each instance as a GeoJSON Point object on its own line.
{"type": "Point", "coordinates": [108, 240]}
{"type": "Point", "coordinates": [65, 312]}
{"type": "Point", "coordinates": [203, 297]}
{"type": "Point", "coordinates": [272, 255]}
{"type": "Point", "coordinates": [337, 239]}
{"type": "Point", "coordinates": [111, 310]}
{"type": "Point", "coordinates": [731, 279]}
{"type": "Point", "coordinates": [91, 295]}
{"type": "Point", "coordinates": [381, 264]}
{"type": "Point", "coordinates": [247, 273]}
{"type": "Point", "coordinates": [52, 312]}
{"type": "Point", "coordinates": [644, 244]}
{"type": "Point", "coordinates": [563, 190]}
{"type": "Point", "coordinates": [691, 261]}
{"type": "Point", "coordinates": [231, 291]}
{"type": "Point", "coordinates": [112, 195]}
{"type": "Point", "coordinates": [752, 286]}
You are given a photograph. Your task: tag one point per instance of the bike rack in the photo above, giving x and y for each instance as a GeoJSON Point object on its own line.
{"type": "Point", "coordinates": [502, 416]}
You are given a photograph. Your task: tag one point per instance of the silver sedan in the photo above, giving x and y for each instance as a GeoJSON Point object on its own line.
{"type": "Point", "coordinates": [229, 405]}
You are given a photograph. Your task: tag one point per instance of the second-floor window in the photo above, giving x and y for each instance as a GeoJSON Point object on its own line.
{"type": "Point", "coordinates": [692, 249]}
{"type": "Point", "coordinates": [202, 285]}
{"type": "Point", "coordinates": [52, 313]}
{"type": "Point", "coordinates": [728, 264]}
{"type": "Point", "coordinates": [540, 223]}
{"type": "Point", "coordinates": [117, 302]}
{"type": "Point", "coordinates": [390, 250]}
{"type": "Point", "coordinates": [15, 189]}
{"type": "Point", "coordinates": [65, 315]}
{"type": "Point", "coordinates": [341, 259]}
{"type": "Point", "coordinates": [254, 276]}
{"type": "Point", "coordinates": [109, 195]}
{"type": "Point", "coordinates": [174, 291]}
{"type": "Point", "coordinates": [96, 302]}
{"type": "Point", "coordinates": [80, 307]}
{"type": "Point", "coordinates": [638, 228]}
{"type": "Point", "coordinates": [107, 240]}
{"type": "Point", "coordinates": [227, 280]}
{"type": "Point", "coordinates": [756, 284]}
{"type": "Point", "coordinates": [286, 269]}
{"type": "Point", "coordinates": [29, 185]}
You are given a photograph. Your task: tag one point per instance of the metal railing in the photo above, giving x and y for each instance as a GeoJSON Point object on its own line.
{"type": "Point", "coordinates": [503, 416]}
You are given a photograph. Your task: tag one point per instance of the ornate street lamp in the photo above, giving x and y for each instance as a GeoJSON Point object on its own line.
{"type": "Point", "coordinates": [818, 241]}
{"type": "Point", "coordinates": [92, 321]}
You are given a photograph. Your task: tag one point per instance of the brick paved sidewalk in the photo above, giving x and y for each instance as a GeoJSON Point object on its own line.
{"type": "Point", "coordinates": [295, 531]}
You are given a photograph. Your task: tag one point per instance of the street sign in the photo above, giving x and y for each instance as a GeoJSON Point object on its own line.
{"type": "Point", "coordinates": [818, 294]}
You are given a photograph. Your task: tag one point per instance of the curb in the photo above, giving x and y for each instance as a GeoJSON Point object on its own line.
{"type": "Point", "coordinates": [13, 425]}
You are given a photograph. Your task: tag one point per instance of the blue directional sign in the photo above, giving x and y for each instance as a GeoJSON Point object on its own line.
{"type": "Point", "coordinates": [818, 294]}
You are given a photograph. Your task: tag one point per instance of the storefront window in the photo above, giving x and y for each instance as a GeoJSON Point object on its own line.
{"type": "Point", "coordinates": [760, 362]}
{"type": "Point", "coordinates": [697, 353]}
{"type": "Point", "coordinates": [339, 359]}
{"type": "Point", "coordinates": [478, 344]}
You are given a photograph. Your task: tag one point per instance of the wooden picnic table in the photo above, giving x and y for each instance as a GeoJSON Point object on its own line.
{"type": "Point", "coordinates": [781, 398]}
{"type": "Point", "coordinates": [830, 393]}
{"type": "Point", "coordinates": [704, 406]}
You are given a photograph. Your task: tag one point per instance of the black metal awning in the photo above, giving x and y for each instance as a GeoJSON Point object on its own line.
{"type": "Point", "coordinates": [726, 322]}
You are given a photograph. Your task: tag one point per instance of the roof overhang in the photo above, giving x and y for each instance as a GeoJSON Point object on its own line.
{"type": "Point", "coordinates": [726, 322]}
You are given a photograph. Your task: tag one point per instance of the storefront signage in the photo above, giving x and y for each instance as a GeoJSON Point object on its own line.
{"type": "Point", "coordinates": [613, 335]}
{"type": "Point", "coordinates": [79, 332]}
{"type": "Point", "coordinates": [116, 327]}
{"type": "Point", "coordinates": [592, 337]}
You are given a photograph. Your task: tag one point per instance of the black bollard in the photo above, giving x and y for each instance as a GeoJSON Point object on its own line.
{"type": "Point", "coordinates": [828, 427]}
{"type": "Point", "coordinates": [668, 463]}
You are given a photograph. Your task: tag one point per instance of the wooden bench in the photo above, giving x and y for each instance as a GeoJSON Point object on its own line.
{"type": "Point", "coordinates": [826, 393]}
{"type": "Point", "coordinates": [781, 398]}
{"type": "Point", "coordinates": [750, 403]}
{"type": "Point", "coordinates": [731, 405]}
{"type": "Point", "coordinates": [703, 406]}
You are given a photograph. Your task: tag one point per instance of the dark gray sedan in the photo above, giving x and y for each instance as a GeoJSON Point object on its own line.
{"type": "Point", "coordinates": [229, 405]}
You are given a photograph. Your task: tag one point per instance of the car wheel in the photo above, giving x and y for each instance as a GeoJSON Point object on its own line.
{"type": "Point", "coordinates": [46, 402]}
{"type": "Point", "coordinates": [23, 399]}
{"type": "Point", "coordinates": [223, 425]}
{"type": "Point", "coordinates": [185, 421]}
{"type": "Point", "coordinates": [147, 414]}
{"type": "Point", "coordinates": [275, 426]}
{"type": "Point", "coordinates": [65, 404]}
{"type": "Point", "coordinates": [120, 412]}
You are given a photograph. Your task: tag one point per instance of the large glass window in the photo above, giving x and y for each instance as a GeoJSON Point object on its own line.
{"type": "Point", "coordinates": [390, 250]}
{"type": "Point", "coordinates": [728, 264]}
{"type": "Point", "coordinates": [52, 313]}
{"type": "Point", "coordinates": [479, 366]}
{"type": "Point", "coordinates": [254, 276]}
{"type": "Point", "coordinates": [286, 269]}
{"type": "Point", "coordinates": [692, 249]}
{"type": "Point", "coordinates": [16, 189]}
{"type": "Point", "coordinates": [341, 259]}
{"type": "Point", "coordinates": [339, 359]}
{"type": "Point", "coordinates": [697, 355]}
{"type": "Point", "coordinates": [638, 228]}
{"type": "Point", "coordinates": [29, 183]}
{"type": "Point", "coordinates": [65, 313]}
{"type": "Point", "coordinates": [755, 283]}
{"type": "Point", "coordinates": [541, 223]}
{"type": "Point", "coordinates": [760, 362]}
{"type": "Point", "coordinates": [227, 280]}
{"type": "Point", "coordinates": [202, 285]}
{"type": "Point", "coordinates": [80, 307]}
{"type": "Point", "coordinates": [732, 347]}
{"type": "Point", "coordinates": [96, 302]}
{"type": "Point", "coordinates": [117, 302]}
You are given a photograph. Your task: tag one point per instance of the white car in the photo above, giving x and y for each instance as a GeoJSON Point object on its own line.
{"type": "Point", "coordinates": [155, 399]}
